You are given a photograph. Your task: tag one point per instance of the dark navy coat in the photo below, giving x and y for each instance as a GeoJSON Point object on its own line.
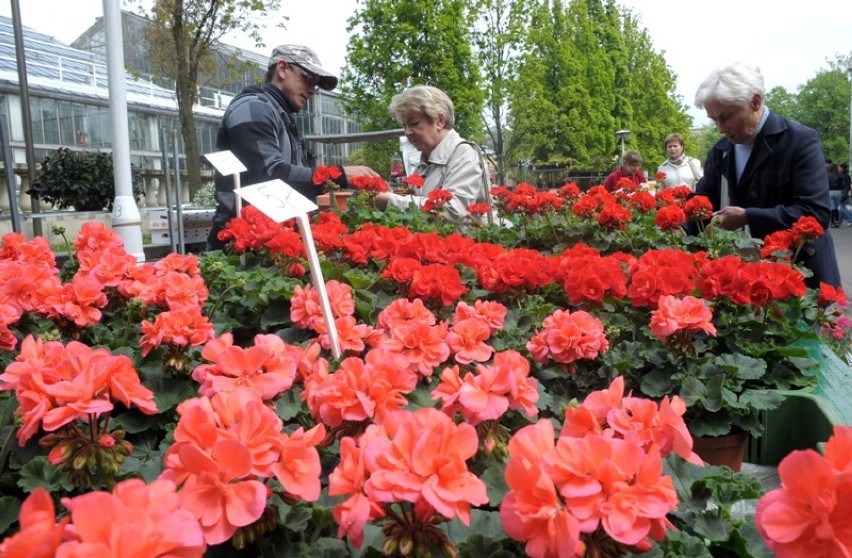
{"type": "Point", "coordinates": [785, 179]}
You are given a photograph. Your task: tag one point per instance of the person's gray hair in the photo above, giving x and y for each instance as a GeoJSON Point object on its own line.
{"type": "Point", "coordinates": [425, 99]}
{"type": "Point", "coordinates": [734, 84]}
{"type": "Point", "coordinates": [631, 157]}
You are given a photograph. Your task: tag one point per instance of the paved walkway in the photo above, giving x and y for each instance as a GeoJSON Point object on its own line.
{"type": "Point", "coordinates": [843, 246]}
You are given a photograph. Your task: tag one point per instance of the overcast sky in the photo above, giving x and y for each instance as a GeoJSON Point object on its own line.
{"type": "Point", "coordinates": [790, 42]}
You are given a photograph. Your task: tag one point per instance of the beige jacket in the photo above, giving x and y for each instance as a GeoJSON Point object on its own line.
{"type": "Point", "coordinates": [454, 166]}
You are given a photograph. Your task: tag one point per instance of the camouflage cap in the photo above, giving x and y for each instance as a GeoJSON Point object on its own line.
{"type": "Point", "coordinates": [307, 59]}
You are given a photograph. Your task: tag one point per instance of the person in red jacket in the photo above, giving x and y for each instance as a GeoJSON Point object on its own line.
{"type": "Point", "coordinates": [631, 169]}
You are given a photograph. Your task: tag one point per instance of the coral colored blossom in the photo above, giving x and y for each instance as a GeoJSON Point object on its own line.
{"type": "Point", "coordinates": [681, 314]}
{"type": "Point", "coordinates": [422, 457]}
{"type": "Point", "coordinates": [570, 336]}
{"type": "Point", "coordinates": [811, 514]}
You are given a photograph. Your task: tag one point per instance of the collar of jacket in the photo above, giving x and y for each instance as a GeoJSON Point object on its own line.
{"type": "Point", "coordinates": [775, 124]}
{"type": "Point", "coordinates": [442, 152]}
{"type": "Point", "coordinates": [276, 94]}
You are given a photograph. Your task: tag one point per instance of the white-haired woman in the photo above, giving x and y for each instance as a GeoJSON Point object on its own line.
{"type": "Point", "coordinates": [767, 171]}
{"type": "Point", "coordinates": [447, 161]}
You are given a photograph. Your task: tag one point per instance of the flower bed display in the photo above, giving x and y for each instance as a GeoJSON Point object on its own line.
{"type": "Point", "coordinates": [531, 389]}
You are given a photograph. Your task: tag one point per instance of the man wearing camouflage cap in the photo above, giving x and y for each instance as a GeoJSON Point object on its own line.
{"type": "Point", "coordinates": [259, 129]}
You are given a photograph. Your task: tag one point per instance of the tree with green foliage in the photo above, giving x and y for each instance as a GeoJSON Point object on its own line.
{"type": "Point", "coordinates": [499, 30]}
{"type": "Point", "coordinates": [782, 102]}
{"type": "Point", "coordinates": [587, 70]}
{"type": "Point", "coordinates": [656, 109]}
{"type": "Point", "coordinates": [182, 41]}
{"type": "Point", "coordinates": [550, 100]}
{"type": "Point", "coordinates": [395, 44]}
{"type": "Point", "coordinates": [823, 104]}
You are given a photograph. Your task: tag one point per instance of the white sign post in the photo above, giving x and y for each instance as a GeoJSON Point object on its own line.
{"type": "Point", "coordinates": [227, 164]}
{"type": "Point", "coordinates": [280, 202]}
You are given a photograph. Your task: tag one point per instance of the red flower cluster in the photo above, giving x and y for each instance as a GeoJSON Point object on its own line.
{"type": "Point", "coordinates": [436, 200]}
{"type": "Point", "coordinates": [370, 184]}
{"type": "Point", "coordinates": [698, 208]}
{"type": "Point", "coordinates": [256, 231]}
{"type": "Point", "coordinates": [413, 180]}
{"type": "Point", "coordinates": [323, 174]}
{"type": "Point", "coordinates": [526, 200]}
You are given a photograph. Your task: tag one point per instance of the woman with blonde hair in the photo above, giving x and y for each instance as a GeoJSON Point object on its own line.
{"type": "Point", "coordinates": [447, 161]}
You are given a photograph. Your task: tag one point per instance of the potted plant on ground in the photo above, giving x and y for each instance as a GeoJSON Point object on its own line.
{"type": "Point", "coordinates": [82, 180]}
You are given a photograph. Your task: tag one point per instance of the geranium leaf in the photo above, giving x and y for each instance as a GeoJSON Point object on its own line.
{"type": "Point", "coordinates": [763, 400]}
{"type": "Point", "coordinates": [494, 479]}
{"type": "Point", "coordinates": [420, 398]}
{"type": "Point", "coordinates": [288, 404]}
{"type": "Point", "coordinates": [9, 508]}
{"type": "Point", "coordinates": [712, 527]}
{"type": "Point", "coordinates": [168, 392]}
{"type": "Point", "coordinates": [657, 384]}
{"type": "Point", "coordinates": [297, 519]}
{"type": "Point", "coordinates": [133, 421]}
{"type": "Point", "coordinates": [745, 367]}
{"type": "Point", "coordinates": [277, 314]}
{"type": "Point", "coordinates": [39, 473]}
{"type": "Point", "coordinates": [484, 523]}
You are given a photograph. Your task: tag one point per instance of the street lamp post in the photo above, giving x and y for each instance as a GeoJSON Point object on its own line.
{"type": "Point", "coordinates": [621, 134]}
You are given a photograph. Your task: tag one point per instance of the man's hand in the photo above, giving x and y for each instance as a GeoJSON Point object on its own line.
{"type": "Point", "coordinates": [359, 170]}
{"type": "Point", "coordinates": [730, 218]}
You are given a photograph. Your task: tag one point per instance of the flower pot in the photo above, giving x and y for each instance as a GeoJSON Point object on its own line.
{"type": "Point", "coordinates": [341, 197]}
{"type": "Point", "coordinates": [722, 450]}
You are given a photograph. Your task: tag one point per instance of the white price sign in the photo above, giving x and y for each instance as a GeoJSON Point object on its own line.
{"type": "Point", "coordinates": [277, 200]}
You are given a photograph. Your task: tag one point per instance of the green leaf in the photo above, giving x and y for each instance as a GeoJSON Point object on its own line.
{"type": "Point", "coordinates": [9, 509]}
{"type": "Point", "coordinates": [657, 383]}
{"type": "Point", "coordinates": [495, 479]}
{"type": "Point", "coordinates": [483, 523]}
{"type": "Point", "coordinates": [744, 367]}
{"type": "Point", "coordinates": [39, 473]}
{"type": "Point", "coordinates": [707, 396]}
{"type": "Point", "coordinates": [763, 400]}
{"type": "Point", "coordinates": [710, 424]}
{"type": "Point", "coordinates": [169, 392]}
{"type": "Point", "coordinates": [297, 519]}
{"type": "Point", "coordinates": [133, 421]}
{"type": "Point", "coordinates": [478, 546]}
{"type": "Point", "coordinates": [146, 461]}
{"type": "Point", "coordinates": [420, 398]}
{"type": "Point", "coordinates": [289, 403]}
{"type": "Point", "coordinates": [711, 526]}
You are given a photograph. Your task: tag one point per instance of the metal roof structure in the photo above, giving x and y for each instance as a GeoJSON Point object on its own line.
{"type": "Point", "coordinates": [53, 65]}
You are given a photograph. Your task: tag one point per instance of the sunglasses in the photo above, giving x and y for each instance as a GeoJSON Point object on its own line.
{"type": "Point", "coordinates": [310, 79]}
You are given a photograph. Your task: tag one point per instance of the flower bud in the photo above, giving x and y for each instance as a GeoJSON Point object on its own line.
{"type": "Point", "coordinates": [406, 544]}
{"type": "Point", "coordinates": [106, 441]}
{"type": "Point", "coordinates": [59, 455]}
